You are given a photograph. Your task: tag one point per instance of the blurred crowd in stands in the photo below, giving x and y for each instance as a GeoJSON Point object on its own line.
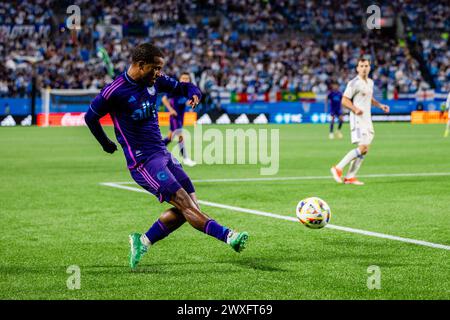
{"type": "Point", "coordinates": [245, 46]}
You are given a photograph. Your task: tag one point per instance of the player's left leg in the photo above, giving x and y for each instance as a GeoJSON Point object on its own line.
{"type": "Point", "coordinates": [447, 128]}
{"type": "Point", "coordinates": [202, 222]}
{"type": "Point", "coordinates": [340, 122]}
{"type": "Point", "coordinates": [186, 201]}
{"type": "Point", "coordinates": [168, 139]}
{"type": "Point", "coordinates": [169, 221]}
{"type": "Point", "coordinates": [350, 178]}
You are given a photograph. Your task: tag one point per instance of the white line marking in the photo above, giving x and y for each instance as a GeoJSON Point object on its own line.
{"type": "Point", "coordinates": [277, 216]}
{"type": "Point", "coordinates": [387, 175]}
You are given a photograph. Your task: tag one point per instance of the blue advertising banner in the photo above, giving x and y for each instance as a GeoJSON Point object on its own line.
{"type": "Point", "coordinates": [397, 107]}
{"type": "Point", "coordinates": [17, 106]}
{"type": "Point", "coordinates": [314, 112]}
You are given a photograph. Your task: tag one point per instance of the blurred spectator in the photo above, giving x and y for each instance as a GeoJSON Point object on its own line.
{"type": "Point", "coordinates": [242, 46]}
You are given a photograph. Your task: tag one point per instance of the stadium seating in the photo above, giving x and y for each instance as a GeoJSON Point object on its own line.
{"type": "Point", "coordinates": [239, 46]}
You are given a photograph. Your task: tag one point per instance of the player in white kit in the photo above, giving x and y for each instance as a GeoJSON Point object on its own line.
{"type": "Point", "coordinates": [447, 107]}
{"type": "Point", "coordinates": [358, 97]}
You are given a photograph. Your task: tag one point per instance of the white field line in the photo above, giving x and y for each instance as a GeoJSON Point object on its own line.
{"type": "Point", "coordinates": [383, 175]}
{"type": "Point", "coordinates": [277, 216]}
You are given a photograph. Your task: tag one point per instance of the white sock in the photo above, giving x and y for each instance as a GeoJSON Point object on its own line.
{"type": "Point", "coordinates": [145, 240]}
{"type": "Point", "coordinates": [352, 154]}
{"type": "Point", "coordinates": [354, 167]}
{"type": "Point", "coordinates": [229, 236]}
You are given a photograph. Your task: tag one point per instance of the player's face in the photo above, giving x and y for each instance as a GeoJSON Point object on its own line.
{"type": "Point", "coordinates": [151, 71]}
{"type": "Point", "coordinates": [185, 78]}
{"type": "Point", "coordinates": [363, 68]}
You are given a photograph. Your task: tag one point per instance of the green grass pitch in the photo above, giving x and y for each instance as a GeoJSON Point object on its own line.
{"type": "Point", "coordinates": [54, 213]}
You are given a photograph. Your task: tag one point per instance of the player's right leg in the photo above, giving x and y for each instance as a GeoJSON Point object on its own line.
{"type": "Point", "coordinates": [338, 169]}
{"type": "Point", "coordinates": [177, 129]}
{"type": "Point", "coordinates": [447, 128]}
{"type": "Point", "coordinates": [186, 160]}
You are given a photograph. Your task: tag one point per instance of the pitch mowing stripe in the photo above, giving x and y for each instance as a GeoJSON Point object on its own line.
{"type": "Point", "coordinates": [278, 216]}
{"type": "Point", "coordinates": [387, 175]}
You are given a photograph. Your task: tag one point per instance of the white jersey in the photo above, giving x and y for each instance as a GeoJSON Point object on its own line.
{"type": "Point", "coordinates": [361, 93]}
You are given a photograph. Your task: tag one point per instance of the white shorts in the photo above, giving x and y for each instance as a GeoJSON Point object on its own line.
{"type": "Point", "coordinates": [362, 136]}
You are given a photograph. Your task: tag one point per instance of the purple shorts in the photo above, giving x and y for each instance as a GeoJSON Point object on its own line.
{"type": "Point", "coordinates": [162, 176]}
{"type": "Point", "coordinates": [336, 111]}
{"type": "Point", "coordinates": [175, 123]}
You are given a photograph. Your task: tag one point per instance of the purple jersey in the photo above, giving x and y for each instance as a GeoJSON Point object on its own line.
{"type": "Point", "coordinates": [335, 98]}
{"type": "Point", "coordinates": [132, 107]}
{"type": "Point", "coordinates": [179, 104]}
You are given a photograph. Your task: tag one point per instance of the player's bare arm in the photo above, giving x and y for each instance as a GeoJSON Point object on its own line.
{"type": "Point", "coordinates": [346, 102]}
{"type": "Point", "coordinates": [166, 103]}
{"type": "Point", "coordinates": [193, 102]}
{"type": "Point", "coordinates": [383, 107]}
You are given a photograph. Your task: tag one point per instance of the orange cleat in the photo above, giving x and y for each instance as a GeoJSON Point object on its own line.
{"type": "Point", "coordinates": [337, 174]}
{"type": "Point", "coordinates": [353, 181]}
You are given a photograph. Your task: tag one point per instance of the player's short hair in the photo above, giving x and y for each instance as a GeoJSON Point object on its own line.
{"type": "Point", "coordinates": [362, 59]}
{"type": "Point", "coordinates": [146, 52]}
{"type": "Point", "coordinates": [186, 73]}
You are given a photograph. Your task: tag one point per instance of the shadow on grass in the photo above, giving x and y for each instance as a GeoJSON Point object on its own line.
{"type": "Point", "coordinates": [258, 264]}
{"type": "Point", "coordinates": [220, 267]}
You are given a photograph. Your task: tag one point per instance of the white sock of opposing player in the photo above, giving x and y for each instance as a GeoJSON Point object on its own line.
{"type": "Point", "coordinates": [354, 167]}
{"type": "Point", "coordinates": [352, 154]}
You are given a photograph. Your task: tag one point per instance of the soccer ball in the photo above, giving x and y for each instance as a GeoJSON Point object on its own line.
{"type": "Point", "coordinates": [313, 212]}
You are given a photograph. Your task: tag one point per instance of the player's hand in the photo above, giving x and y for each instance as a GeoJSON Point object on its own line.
{"type": "Point", "coordinates": [357, 111]}
{"type": "Point", "coordinates": [110, 147]}
{"type": "Point", "coordinates": [194, 101]}
{"type": "Point", "coordinates": [385, 108]}
{"type": "Point", "coordinates": [173, 113]}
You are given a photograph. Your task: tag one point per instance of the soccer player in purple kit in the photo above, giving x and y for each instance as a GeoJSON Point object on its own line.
{"type": "Point", "coordinates": [335, 97]}
{"type": "Point", "coordinates": [131, 101]}
{"type": "Point", "coordinates": [177, 106]}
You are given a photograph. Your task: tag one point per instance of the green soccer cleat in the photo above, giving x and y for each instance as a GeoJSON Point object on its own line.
{"type": "Point", "coordinates": [137, 249]}
{"type": "Point", "coordinates": [237, 240]}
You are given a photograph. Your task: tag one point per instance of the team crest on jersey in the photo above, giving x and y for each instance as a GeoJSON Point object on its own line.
{"type": "Point", "coordinates": [147, 110]}
{"type": "Point", "coordinates": [162, 176]}
{"type": "Point", "coordinates": [151, 90]}
{"type": "Point", "coordinates": [132, 99]}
